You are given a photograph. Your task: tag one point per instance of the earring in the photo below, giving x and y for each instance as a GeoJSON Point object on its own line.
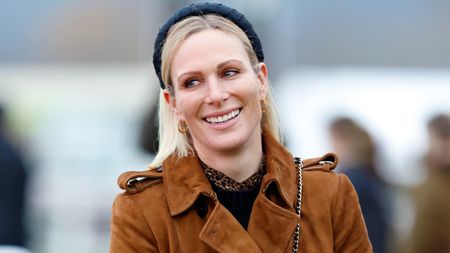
{"type": "Point", "coordinates": [182, 127]}
{"type": "Point", "coordinates": [264, 105]}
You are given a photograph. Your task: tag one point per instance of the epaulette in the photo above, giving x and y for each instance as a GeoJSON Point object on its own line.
{"type": "Point", "coordinates": [327, 162]}
{"type": "Point", "coordinates": [137, 181]}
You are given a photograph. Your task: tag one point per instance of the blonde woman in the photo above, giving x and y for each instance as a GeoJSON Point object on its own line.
{"type": "Point", "coordinates": [221, 180]}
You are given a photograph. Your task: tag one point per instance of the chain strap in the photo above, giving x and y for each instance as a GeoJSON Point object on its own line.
{"type": "Point", "coordinates": [299, 165]}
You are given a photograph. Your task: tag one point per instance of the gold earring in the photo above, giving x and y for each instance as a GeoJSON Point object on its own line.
{"type": "Point", "coordinates": [182, 127]}
{"type": "Point", "coordinates": [264, 105]}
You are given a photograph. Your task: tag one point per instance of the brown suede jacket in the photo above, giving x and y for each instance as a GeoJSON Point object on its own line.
{"type": "Point", "coordinates": [174, 209]}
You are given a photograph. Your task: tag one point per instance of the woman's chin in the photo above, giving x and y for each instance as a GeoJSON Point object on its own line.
{"type": "Point", "coordinates": [230, 142]}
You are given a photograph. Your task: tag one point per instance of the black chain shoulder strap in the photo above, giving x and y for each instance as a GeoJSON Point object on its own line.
{"type": "Point", "coordinates": [298, 209]}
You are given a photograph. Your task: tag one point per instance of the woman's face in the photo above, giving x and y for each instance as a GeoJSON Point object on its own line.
{"type": "Point", "coordinates": [217, 92]}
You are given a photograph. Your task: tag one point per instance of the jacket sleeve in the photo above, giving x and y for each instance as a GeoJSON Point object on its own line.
{"type": "Point", "coordinates": [349, 229]}
{"type": "Point", "coordinates": [130, 232]}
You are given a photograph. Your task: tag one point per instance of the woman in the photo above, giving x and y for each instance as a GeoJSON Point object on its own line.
{"type": "Point", "coordinates": [221, 181]}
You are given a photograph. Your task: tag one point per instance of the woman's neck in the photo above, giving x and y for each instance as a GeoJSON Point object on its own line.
{"type": "Point", "coordinates": [238, 164]}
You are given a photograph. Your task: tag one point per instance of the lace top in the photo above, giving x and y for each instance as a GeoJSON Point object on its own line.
{"type": "Point", "coordinates": [227, 183]}
{"type": "Point", "coordinates": [237, 197]}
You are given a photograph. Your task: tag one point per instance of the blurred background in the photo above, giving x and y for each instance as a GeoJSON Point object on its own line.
{"type": "Point", "coordinates": [78, 91]}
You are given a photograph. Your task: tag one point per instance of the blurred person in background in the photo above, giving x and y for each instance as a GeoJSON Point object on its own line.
{"type": "Point", "coordinates": [431, 231]}
{"type": "Point", "coordinates": [13, 174]}
{"type": "Point", "coordinates": [356, 150]}
{"type": "Point", "coordinates": [221, 180]}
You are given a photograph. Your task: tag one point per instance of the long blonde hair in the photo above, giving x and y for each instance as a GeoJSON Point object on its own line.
{"type": "Point", "coordinates": [171, 141]}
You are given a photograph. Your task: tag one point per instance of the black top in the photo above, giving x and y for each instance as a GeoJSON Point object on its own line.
{"type": "Point", "coordinates": [239, 203]}
{"type": "Point", "coordinates": [237, 197]}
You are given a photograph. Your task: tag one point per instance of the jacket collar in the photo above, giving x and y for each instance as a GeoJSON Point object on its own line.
{"type": "Point", "coordinates": [185, 180]}
{"type": "Point", "coordinates": [280, 170]}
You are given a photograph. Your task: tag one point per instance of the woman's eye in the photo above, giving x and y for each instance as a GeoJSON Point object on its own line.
{"type": "Point", "coordinates": [190, 83]}
{"type": "Point", "coordinates": [230, 73]}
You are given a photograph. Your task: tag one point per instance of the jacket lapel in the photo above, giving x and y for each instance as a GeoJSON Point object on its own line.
{"type": "Point", "coordinates": [185, 182]}
{"type": "Point", "coordinates": [223, 233]}
{"type": "Point", "coordinates": [271, 226]}
{"type": "Point", "coordinates": [273, 219]}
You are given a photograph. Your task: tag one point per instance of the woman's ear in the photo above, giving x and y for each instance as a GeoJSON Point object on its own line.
{"type": "Point", "coordinates": [167, 98]}
{"type": "Point", "coordinates": [263, 78]}
{"type": "Point", "coordinates": [170, 100]}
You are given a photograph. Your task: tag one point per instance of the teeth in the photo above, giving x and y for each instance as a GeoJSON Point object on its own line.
{"type": "Point", "coordinates": [223, 118]}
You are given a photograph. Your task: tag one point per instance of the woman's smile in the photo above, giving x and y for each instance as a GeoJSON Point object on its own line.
{"type": "Point", "coordinates": [219, 118]}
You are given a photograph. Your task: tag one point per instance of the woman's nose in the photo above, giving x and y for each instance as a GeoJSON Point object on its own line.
{"type": "Point", "coordinates": [217, 94]}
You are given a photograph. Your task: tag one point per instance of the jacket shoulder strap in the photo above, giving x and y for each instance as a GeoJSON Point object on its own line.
{"type": "Point", "coordinates": [327, 162]}
{"type": "Point", "coordinates": [137, 181]}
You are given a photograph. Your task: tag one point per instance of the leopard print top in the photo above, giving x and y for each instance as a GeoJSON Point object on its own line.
{"type": "Point", "coordinates": [227, 183]}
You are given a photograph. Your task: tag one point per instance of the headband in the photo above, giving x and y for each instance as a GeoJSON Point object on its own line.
{"type": "Point", "coordinates": [202, 9]}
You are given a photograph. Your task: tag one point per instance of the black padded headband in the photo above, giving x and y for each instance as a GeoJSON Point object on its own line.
{"type": "Point", "coordinates": [200, 10]}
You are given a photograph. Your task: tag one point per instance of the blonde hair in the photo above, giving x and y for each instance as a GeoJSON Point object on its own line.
{"type": "Point", "coordinates": [171, 141]}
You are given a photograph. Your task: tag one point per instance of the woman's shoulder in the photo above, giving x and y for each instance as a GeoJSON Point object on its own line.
{"type": "Point", "coordinates": [326, 163]}
{"type": "Point", "coordinates": [321, 168]}
{"type": "Point", "coordinates": [141, 189]}
{"type": "Point", "coordinates": [320, 178]}
{"type": "Point", "coordinates": [137, 181]}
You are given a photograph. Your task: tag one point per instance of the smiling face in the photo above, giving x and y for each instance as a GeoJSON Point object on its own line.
{"type": "Point", "coordinates": [217, 92]}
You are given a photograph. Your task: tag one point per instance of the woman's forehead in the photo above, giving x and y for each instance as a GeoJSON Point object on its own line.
{"type": "Point", "coordinates": [208, 47]}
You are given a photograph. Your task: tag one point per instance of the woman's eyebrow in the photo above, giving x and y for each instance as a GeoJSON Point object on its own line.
{"type": "Point", "coordinates": [229, 61]}
{"type": "Point", "coordinates": [187, 74]}
{"type": "Point", "coordinates": [221, 65]}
